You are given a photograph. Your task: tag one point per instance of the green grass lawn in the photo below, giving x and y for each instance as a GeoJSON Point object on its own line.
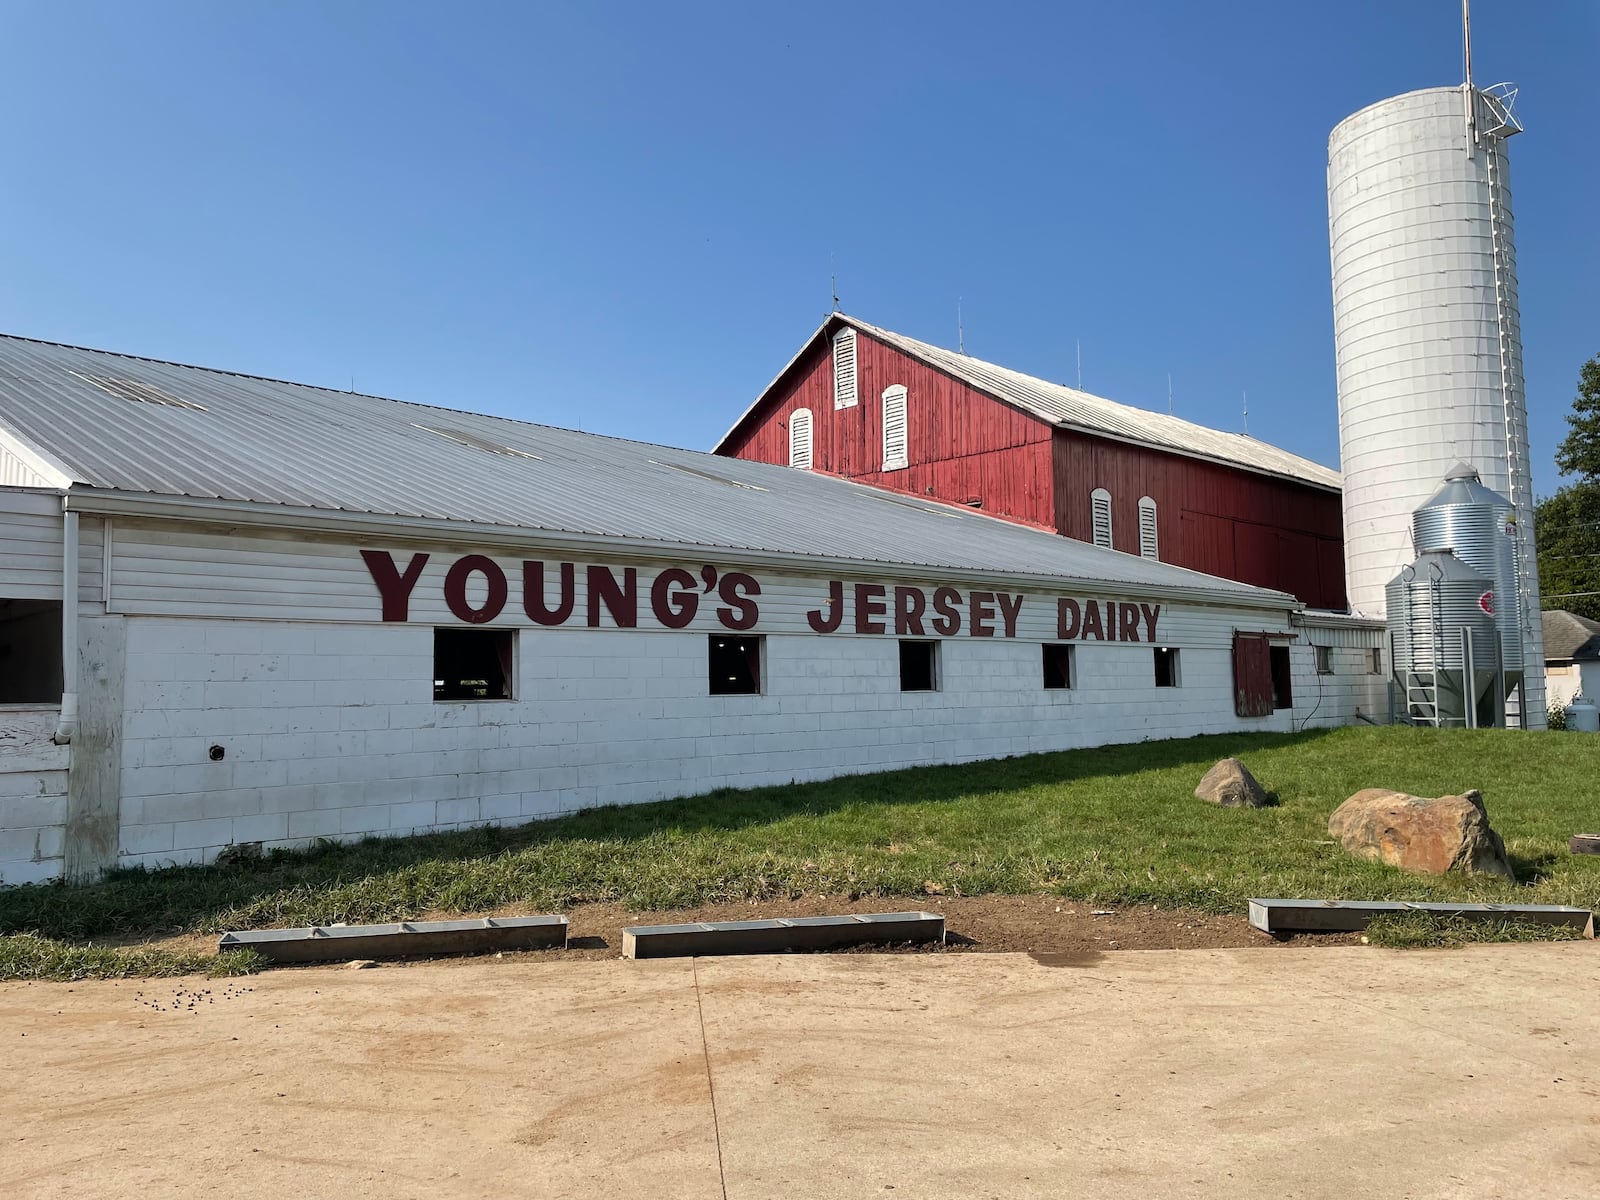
{"type": "Point", "coordinates": [1117, 825]}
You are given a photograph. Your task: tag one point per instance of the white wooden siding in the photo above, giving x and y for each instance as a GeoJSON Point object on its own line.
{"type": "Point", "coordinates": [177, 570]}
{"type": "Point", "coordinates": [30, 545]}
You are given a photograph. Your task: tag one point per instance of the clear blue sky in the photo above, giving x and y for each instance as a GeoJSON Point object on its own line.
{"type": "Point", "coordinates": [620, 216]}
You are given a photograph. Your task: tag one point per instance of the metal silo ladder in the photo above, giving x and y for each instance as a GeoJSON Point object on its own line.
{"type": "Point", "coordinates": [1515, 413]}
{"type": "Point", "coordinates": [1422, 686]}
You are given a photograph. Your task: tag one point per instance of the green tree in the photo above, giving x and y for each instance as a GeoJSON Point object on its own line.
{"type": "Point", "coordinates": [1567, 525]}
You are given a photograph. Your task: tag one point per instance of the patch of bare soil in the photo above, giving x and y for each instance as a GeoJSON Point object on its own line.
{"type": "Point", "coordinates": [1044, 926]}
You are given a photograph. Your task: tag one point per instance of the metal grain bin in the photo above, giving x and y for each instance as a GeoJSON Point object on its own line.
{"type": "Point", "coordinates": [1478, 526]}
{"type": "Point", "coordinates": [1440, 629]}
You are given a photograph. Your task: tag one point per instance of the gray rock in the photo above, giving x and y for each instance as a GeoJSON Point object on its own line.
{"type": "Point", "coordinates": [1231, 785]}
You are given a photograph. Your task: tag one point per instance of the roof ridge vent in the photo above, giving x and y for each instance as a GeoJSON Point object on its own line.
{"type": "Point", "coordinates": [137, 391]}
{"type": "Point", "coordinates": [462, 438]}
{"type": "Point", "coordinates": [1462, 471]}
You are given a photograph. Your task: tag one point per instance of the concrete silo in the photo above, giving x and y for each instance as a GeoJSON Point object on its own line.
{"type": "Point", "coordinates": [1427, 335]}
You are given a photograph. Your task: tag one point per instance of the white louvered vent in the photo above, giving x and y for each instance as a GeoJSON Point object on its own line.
{"type": "Point", "coordinates": [1149, 547]}
{"type": "Point", "coordinates": [894, 428]}
{"type": "Point", "coordinates": [135, 390]}
{"type": "Point", "coordinates": [1100, 514]}
{"type": "Point", "coordinates": [800, 439]}
{"type": "Point", "coordinates": [844, 369]}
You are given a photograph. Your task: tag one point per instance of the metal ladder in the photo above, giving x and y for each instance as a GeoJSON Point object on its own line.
{"type": "Point", "coordinates": [1515, 415]}
{"type": "Point", "coordinates": [1422, 687]}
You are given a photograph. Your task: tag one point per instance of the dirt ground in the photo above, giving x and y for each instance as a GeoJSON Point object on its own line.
{"type": "Point", "coordinates": [1041, 925]}
{"type": "Point", "coordinates": [1247, 1073]}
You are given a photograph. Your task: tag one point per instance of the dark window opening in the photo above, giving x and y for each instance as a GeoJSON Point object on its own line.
{"type": "Point", "coordinates": [1166, 666]}
{"type": "Point", "coordinates": [1324, 659]}
{"type": "Point", "coordinates": [1057, 667]}
{"type": "Point", "coordinates": [1375, 666]}
{"type": "Point", "coordinates": [1282, 694]}
{"type": "Point", "coordinates": [30, 651]}
{"type": "Point", "coordinates": [735, 665]}
{"type": "Point", "coordinates": [918, 671]}
{"type": "Point", "coordinates": [472, 664]}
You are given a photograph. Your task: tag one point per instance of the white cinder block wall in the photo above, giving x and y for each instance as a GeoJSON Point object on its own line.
{"type": "Point", "coordinates": [1351, 688]}
{"type": "Point", "coordinates": [33, 795]}
{"type": "Point", "coordinates": [332, 731]}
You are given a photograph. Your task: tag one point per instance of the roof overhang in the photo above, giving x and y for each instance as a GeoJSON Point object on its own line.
{"type": "Point", "coordinates": [244, 514]}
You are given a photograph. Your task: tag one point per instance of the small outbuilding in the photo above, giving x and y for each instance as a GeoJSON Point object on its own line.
{"type": "Point", "coordinates": [1571, 657]}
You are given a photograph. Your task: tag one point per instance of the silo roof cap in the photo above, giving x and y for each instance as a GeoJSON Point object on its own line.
{"type": "Point", "coordinates": [1444, 566]}
{"type": "Point", "coordinates": [1463, 485]}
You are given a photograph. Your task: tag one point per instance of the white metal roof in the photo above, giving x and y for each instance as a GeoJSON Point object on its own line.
{"type": "Point", "coordinates": [135, 427]}
{"type": "Point", "coordinates": [1070, 408]}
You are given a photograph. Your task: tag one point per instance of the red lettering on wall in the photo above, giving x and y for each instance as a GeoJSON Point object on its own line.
{"type": "Point", "coordinates": [826, 619]}
{"type": "Point", "coordinates": [1150, 615]}
{"type": "Point", "coordinates": [1128, 619]}
{"type": "Point", "coordinates": [869, 604]}
{"type": "Point", "coordinates": [674, 609]}
{"type": "Point", "coordinates": [622, 601]}
{"type": "Point", "coordinates": [455, 588]}
{"type": "Point", "coordinates": [982, 606]}
{"type": "Point", "coordinates": [1069, 619]}
{"type": "Point", "coordinates": [909, 604]}
{"type": "Point", "coordinates": [393, 587]}
{"type": "Point", "coordinates": [1010, 609]}
{"type": "Point", "coordinates": [533, 594]}
{"type": "Point", "coordinates": [1091, 622]}
{"type": "Point", "coordinates": [946, 602]}
{"type": "Point", "coordinates": [741, 612]}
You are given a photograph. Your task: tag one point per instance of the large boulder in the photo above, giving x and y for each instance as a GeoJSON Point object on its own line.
{"type": "Point", "coordinates": [1231, 785]}
{"type": "Point", "coordinates": [1416, 833]}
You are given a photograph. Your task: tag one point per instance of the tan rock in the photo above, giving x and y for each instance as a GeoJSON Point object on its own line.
{"type": "Point", "coordinates": [1422, 834]}
{"type": "Point", "coordinates": [1231, 785]}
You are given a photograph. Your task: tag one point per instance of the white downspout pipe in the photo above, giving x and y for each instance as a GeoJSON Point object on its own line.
{"type": "Point", "coordinates": [68, 724]}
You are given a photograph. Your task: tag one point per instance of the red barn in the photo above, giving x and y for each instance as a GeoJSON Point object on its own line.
{"type": "Point", "coordinates": [875, 406]}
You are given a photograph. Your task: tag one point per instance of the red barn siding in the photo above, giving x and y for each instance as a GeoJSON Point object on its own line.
{"type": "Point", "coordinates": [961, 445]}
{"type": "Point", "coordinates": [965, 446]}
{"type": "Point", "coordinates": [1256, 529]}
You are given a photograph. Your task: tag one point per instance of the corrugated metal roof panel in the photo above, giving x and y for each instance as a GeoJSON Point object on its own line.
{"type": "Point", "coordinates": [1076, 409]}
{"type": "Point", "coordinates": [270, 442]}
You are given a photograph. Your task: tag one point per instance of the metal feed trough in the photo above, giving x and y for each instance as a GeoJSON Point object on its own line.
{"type": "Point", "coordinates": [780, 934]}
{"type": "Point", "coordinates": [1346, 916]}
{"type": "Point", "coordinates": [337, 943]}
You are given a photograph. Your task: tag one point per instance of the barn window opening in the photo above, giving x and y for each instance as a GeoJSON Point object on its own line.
{"type": "Point", "coordinates": [1148, 545]}
{"type": "Point", "coordinates": [1058, 668]}
{"type": "Point", "coordinates": [30, 651]}
{"type": "Point", "coordinates": [844, 369]}
{"type": "Point", "coordinates": [894, 428]}
{"type": "Point", "coordinates": [800, 439]}
{"type": "Point", "coordinates": [1282, 691]}
{"type": "Point", "coordinates": [473, 664]}
{"type": "Point", "coordinates": [1166, 659]}
{"type": "Point", "coordinates": [1324, 659]}
{"type": "Point", "coordinates": [919, 666]}
{"type": "Point", "coordinates": [1375, 661]}
{"type": "Point", "coordinates": [735, 665]}
{"type": "Point", "coordinates": [1100, 516]}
